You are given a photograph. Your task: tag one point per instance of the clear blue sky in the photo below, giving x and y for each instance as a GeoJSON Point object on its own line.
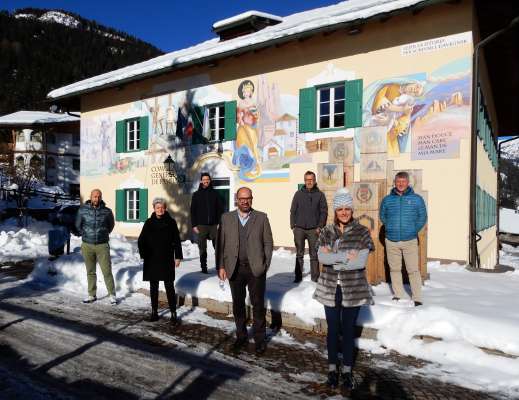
{"type": "Point", "coordinates": [167, 24]}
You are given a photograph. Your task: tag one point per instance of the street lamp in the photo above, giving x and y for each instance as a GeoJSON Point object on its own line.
{"type": "Point", "coordinates": [170, 166]}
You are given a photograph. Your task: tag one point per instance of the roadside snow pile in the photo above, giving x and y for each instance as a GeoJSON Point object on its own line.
{"type": "Point", "coordinates": [508, 221]}
{"type": "Point", "coordinates": [18, 243]}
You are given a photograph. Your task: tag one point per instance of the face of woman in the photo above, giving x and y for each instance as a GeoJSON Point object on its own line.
{"type": "Point", "coordinates": [159, 209]}
{"type": "Point", "coordinates": [344, 214]}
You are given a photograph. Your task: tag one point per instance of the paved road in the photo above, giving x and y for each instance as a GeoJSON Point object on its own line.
{"type": "Point", "coordinates": [52, 346]}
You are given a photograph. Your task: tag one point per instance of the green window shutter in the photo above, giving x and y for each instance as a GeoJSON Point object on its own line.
{"type": "Point", "coordinates": [120, 205]}
{"type": "Point", "coordinates": [144, 132]}
{"type": "Point", "coordinates": [143, 204]}
{"type": "Point", "coordinates": [479, 206]}
{"type": "Point", "coordinates": [307, 110]}
{"type": "Point", "coordinates": [353, 106]}
{"type": "Point", "coordinates": [120, 136]}
{"type": "Point", "coordinates": [300, 185]}
{"type": "Point", "coordinates": [230, 120]}
{"type": "Point", "coordinates": [198, 125]}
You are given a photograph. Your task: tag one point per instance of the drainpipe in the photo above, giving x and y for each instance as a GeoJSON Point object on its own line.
{"type": "Point", "coordinates": [473, 249]}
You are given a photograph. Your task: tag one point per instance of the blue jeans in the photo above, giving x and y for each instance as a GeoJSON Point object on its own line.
{"type": "Point", "coordinates": [341, 321]}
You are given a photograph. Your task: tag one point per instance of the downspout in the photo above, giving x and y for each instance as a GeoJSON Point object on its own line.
{"type": "Point", "coordinates": [474, 140]}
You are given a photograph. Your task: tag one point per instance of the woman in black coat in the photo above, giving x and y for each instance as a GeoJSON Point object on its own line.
{"type": "Point", "coordinates": [160, 247]}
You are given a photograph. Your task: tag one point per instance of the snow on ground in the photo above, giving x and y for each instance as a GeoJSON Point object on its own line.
{"type": "Point", "coordinates": [18, 243]}
{"type": "Point", "coordinates": [508, 221]}
{"type": "Point", "coordinates": [467, 310]}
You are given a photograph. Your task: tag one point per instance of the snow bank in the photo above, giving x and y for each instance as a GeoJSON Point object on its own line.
{"type": "Point", "coordinates": [18, 243]}
{"type": "Point", "coordinates": [508, 221]}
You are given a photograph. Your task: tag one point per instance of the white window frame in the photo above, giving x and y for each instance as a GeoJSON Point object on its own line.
{"type": "Point", "coordinates": [133, 135]}
{"type": "Point", "coordinates": [332, 114]}
{"type": "Point", "coordinates": [219, 115]}
{"type": "Point", "coordinates": [132, 205]}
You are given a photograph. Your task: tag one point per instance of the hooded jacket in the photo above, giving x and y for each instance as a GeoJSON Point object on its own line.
{"type": "Point", "coordinates": [94, 224]}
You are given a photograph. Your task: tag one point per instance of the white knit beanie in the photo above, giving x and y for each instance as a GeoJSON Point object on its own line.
{"type": "Point", "coordinates": [342, 198]}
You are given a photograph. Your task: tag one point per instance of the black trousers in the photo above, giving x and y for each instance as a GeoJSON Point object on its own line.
{"type": "Point", "coordinates": [241, 279]}
{"type": "Point", "coordinates": [170, 293]}
{"type": "Point", "coordinates": [300, 236]}
{"type": "Point", "coordinates": [206, 232]}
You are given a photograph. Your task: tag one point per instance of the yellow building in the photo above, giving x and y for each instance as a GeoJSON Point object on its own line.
{"type": "Point", "coordinates": [355, 92]}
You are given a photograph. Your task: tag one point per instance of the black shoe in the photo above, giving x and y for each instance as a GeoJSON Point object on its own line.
{"type": "Point", "coordinates": [174, 321]}
{"type": "Point", "coordinates": [298, 279]}
{"type": "Point", "coordinates": [239, 344]}
{"type": "Point", "coordinates": [260, 348]}
{"type": "Point", "coordinates": [154, 317]}
{"type": "Point", "coordinates": [418, 303]}
{"type": "Point", "coordinates": [348, 383]}
{"type": "Point", "coordinates": [333, 379]}
{"type": "Point", "coordinates": [395, 298]}
{"type": "Point", "coordinates": [204, 270]}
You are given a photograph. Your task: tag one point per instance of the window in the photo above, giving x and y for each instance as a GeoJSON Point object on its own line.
{"type": "Point", "coordinates": [51, 163]}
{"type": "Point", "coordinates": [75, 164]}
{"type": "Point", "coordinates": [334, 106]}
{"type": "Point", "coordinates": [75, 140]}
{"type": "Point", "coordinates": [330, 107]}
{"type": "Point", "coordinates": [20, 161]}
{"type": "Point", "coordinates": [131, 135]}
{"type": "Point", "coordinates": [132, 205]}
{"type": "Point", "coordinates": [216, 122]}
{"type": "Point", "coordinates": [52, 138]}
{"type": "Point", "coordinates": [35, 162]}
{"type": "Point", "coordinates": [35, 136]}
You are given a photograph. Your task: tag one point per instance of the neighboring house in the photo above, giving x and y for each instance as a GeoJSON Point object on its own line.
{"type": "Point", "coordinates": [48, 141]}
{"type": "Point", "coordinates": [354, 91]}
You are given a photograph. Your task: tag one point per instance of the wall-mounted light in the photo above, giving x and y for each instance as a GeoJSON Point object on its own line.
{"type": "Point", "coordinates": [170, 166]}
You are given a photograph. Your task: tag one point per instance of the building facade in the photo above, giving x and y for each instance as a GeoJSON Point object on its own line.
{"type": "Point", "coordinates": [355, 103]}
{"type": "Point", "coordinates": [49, 142]}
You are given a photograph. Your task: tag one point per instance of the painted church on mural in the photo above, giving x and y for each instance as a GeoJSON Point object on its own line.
{"type": "Point", "coordinates": [355, 96]}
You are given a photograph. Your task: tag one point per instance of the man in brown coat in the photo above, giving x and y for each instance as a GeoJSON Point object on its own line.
{"type": "Point", "coordinates": [244, 252]}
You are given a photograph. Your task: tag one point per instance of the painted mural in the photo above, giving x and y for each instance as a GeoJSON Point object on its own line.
{"type": "Point", "coordinates": [425, 114]}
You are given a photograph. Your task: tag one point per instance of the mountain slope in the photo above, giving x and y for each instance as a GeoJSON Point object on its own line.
{"type": "Point", "coordinates": [44, 49]}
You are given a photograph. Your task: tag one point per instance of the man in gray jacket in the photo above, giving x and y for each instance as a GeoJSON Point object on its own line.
{"type": "Point", "coordinates": [244, 251]}
{"type": "Point", "coordinates": [95, 222]}
{"type": "Point", "coordinates": [308, 215]}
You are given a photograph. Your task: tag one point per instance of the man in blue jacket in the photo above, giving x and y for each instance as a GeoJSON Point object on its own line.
{"type": "Point", "coordinates": [404, 214]}
{"type": "Point", "coordinates": [94, 222]}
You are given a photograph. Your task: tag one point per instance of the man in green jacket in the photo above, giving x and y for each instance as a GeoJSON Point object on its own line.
{"type": "Point", "coordinates": [95, 222]}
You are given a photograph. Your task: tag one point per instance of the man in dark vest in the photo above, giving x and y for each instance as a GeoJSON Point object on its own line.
{"type": "Point", "coordinates": [244, 252]}
{"type": "Point", "coordinates": [206, 211]}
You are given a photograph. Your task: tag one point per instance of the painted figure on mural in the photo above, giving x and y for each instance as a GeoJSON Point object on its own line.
{"type": "Point", "coordinates": [392, 106]}
{"type": "Point", "coordinates": [246, 155]}
{"type": "Point", "coordinates": [106, 149]}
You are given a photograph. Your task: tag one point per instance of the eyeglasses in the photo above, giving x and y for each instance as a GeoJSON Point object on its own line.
{"type": "Point", "coordinates": [244, 198]}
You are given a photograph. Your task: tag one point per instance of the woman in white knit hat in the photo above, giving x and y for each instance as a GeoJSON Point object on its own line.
{"type": "Point", "coordinates": [343, 249]}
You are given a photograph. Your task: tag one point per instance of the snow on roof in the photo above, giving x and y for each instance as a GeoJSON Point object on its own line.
{"type": "Point", "coordinates": [291, 25]}
{"type": "Point", "coordinates": [35, 117]}
{"type": "Point", "coordinates": [243, 16]}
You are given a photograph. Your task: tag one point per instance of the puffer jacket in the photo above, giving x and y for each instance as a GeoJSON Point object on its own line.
{"type": "Point", "coordinates": [309, 209]}
{"type": "Point", "coordinates": [94, 224]}
{"type": "Point", "coordinates": [403, 215]}
{"type": "Point", "coordinates": [353, 283]}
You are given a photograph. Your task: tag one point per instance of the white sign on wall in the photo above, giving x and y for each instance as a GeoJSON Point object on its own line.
{"type": "Point", "coordinates": [436, 44]}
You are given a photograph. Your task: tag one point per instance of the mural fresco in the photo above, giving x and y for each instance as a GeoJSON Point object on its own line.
{"type": "Point", "coordinates": [423, 113]}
